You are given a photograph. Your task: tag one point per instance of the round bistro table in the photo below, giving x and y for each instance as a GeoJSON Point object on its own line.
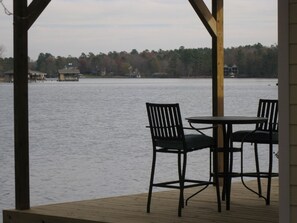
{"type": "Point", "coordinates": [227, 123]}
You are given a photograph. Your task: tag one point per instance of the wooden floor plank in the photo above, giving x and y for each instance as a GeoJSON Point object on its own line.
{"type": "Point", "coordinates": [245, 207]}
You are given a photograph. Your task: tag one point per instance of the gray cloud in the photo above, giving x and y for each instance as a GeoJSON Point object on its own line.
{"type": "Point", "coordinates": [76, 26]}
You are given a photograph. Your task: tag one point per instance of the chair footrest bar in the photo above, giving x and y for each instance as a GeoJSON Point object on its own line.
{"type": "Point", "coordinates": [261, 174]}
{"type": "Point", "coordinates": [233, 149]}
{"type": "Point", "coordinates": [188, 184]}
{"type": "Point", "coordinates": [232, 175]}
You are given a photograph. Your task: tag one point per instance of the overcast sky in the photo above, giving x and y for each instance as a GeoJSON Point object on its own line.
{"type": "Point", "coordinates": [72, 27]}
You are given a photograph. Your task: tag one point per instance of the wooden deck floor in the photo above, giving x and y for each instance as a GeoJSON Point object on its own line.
{"type": "Point", "coordinates": [245, 207]}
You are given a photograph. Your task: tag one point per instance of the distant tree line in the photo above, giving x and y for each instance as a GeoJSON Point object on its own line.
{"type": "Point", "coordinates": [252, 61]}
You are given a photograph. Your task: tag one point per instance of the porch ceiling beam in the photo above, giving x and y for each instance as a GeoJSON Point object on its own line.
{"type": "Point", "coordinates": [35, 9]}
{"type": "Point", "coordinates": [205, 16]}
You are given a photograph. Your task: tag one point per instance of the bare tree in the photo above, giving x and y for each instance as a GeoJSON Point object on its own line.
{"type": "Point", "coordinates": [1, 51]}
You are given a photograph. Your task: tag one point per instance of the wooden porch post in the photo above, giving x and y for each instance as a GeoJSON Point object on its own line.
{"type": "Point", "coordinates": [218, 66]}
{"type": "Point", "coordinates": [218, 60]}
{"type": "Point", "coordinates": [24, 17]}
{"type": "Point", "coordinates": [21, 132]}
{"type": "Point", "coordinates": [218, 73]}
{"type": "Point", "coordinates": [213, 22]}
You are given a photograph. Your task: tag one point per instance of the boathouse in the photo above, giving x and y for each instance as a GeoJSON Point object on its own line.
{"type": "Point", "coordinates": [68, 74]}
{"type": "Point", "coordinates": [36, 76]}
{"type": "Point", "coordinates": [230, 71]}
{"type": "Point", "coordinates": [32, 76]}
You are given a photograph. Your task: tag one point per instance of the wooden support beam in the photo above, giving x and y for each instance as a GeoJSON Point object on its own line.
{"type": "Point", "coordinates": [218, 74]}
{"type": "Point", "coordinates": [35, 9]}
{"type": "Point", "coordinates": [205, 16]}
{"type": "Point", "coordinates": [24, 17]}
{"type": "Point", "coordinates": [21, 128]}
{"type": "Point", "coordinates": [218, 59]}
{"type": "Point", "coordinates": [214, 24]}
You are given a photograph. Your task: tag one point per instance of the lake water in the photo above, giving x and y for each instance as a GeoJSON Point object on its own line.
{"type": "Point", "coordinates": [88, 138]}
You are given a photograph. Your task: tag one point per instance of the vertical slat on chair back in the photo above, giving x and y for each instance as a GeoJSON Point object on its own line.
{"type": "Point", "coordinates": [165, 121]}
{"type": "Point", "coordinates": [269, 109]}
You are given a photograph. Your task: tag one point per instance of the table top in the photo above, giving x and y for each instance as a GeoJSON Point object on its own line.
{"type": "Point", "coordinates": [226, 119]}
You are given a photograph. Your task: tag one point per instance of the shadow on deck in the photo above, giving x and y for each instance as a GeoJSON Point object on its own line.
{"type": "Point", "coordinates": [245, 207]}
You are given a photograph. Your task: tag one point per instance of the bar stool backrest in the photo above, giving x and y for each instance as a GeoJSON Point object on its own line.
{"type": "Point", "coordinates": [268, 108]}
{"type": "Point", "coordinates": [165, 122]}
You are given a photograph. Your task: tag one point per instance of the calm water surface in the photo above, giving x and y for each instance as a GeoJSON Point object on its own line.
{"type": "Point", "coordinates": [88, 138]}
